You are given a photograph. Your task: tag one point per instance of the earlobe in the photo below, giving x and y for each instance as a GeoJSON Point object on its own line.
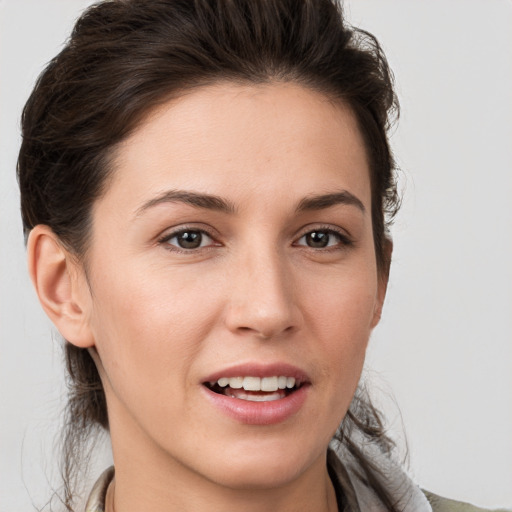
{"type": "Point", "coordinates": [59, 286]}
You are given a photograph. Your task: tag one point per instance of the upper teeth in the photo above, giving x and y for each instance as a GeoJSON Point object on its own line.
{"type": "Point", "coordinates": [257, 383]}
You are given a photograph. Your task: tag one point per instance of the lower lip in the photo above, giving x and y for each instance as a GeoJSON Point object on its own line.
{"type": "Point", "coordinates": [259, 413]}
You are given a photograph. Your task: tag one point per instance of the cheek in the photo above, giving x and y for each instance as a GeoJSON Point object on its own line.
{"type": "Point", "coordinates": [149, 329]}
{"type": "Point", "coordinates": [342, 304]}
{"type": "Point", "coordinates": [341, 315]}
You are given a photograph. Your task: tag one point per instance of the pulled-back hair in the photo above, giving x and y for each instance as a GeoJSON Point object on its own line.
{"type": "Point", "coordinates": [125, 57]}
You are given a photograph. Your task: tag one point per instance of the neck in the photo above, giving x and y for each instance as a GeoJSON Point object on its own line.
{"type": "Point", "coordinates": [147, 478]}
{"type": "Point", "coordinates": [122, 498]}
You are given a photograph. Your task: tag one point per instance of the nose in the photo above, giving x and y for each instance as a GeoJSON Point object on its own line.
{"type": "Point", "coordinates": [263, 297]}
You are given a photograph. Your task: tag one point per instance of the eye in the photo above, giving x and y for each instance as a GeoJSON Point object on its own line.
{"type": "Point", "coordinates": [188, 239]}
{"type": "Point", "coordinates": [323, 238]}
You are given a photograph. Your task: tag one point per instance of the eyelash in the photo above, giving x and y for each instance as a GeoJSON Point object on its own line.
{"type": "Point", "coordinates": [343, 240]}
{"type": "Point", "coordinates": [165, 240]}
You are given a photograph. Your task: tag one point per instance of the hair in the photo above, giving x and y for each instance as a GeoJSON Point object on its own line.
{"type": "Point", "coordinates": [125, 57]}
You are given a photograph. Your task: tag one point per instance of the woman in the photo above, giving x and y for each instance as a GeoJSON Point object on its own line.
{"type": "Point", "coordinates": [205, 192]}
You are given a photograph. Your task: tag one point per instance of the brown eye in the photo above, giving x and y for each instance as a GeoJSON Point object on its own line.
{"type": "Point", "coordinates": [189, 239]}
{"type": "Point", "coordinates": [322, 238]}
{"type": "Point", "coordinates": [317, 239]}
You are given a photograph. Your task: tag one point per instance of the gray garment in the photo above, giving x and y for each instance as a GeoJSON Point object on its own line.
{"type": "Point", "coordinates": [405, 493]}
{"type": "Point", "coordinates": [445, 505]}
{"type": "Point", "coordinates": [409, 496]}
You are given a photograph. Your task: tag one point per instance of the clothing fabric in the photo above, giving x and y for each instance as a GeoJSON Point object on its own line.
{"type": "Point", "coordinates": [405, 493]}
{"type": "Point", "coordinates": [408, 495]}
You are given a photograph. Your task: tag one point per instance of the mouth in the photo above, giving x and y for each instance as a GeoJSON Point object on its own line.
{"type": "Point", "coordinates": [258, 394]}
{"type": "Point", "coordinates": [255, 389]}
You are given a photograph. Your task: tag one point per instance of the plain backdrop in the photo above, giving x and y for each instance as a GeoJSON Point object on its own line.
{"type": "Point", "coordinates": [444, 347]}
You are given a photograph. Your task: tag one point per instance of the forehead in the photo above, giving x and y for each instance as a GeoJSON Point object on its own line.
{"type": "Point", "coordinates": [229, 138]}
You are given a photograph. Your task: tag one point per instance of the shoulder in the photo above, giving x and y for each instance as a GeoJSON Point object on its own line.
{"type": "Point", "coordinates": [440, 504]}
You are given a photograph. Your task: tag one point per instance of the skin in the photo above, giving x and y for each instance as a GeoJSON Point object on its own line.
{"type": "Point", "coordinates": [158, 319]}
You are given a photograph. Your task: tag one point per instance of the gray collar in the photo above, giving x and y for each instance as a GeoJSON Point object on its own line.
{"type": "Point", "coordinates": [408, 495]}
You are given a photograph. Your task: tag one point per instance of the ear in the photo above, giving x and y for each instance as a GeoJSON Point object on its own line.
{"type": "Point", "coordinates": [383, 278]}
{"type": "Point", "coordinates": [60, 285]}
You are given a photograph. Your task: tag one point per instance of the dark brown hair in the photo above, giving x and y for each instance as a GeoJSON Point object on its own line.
{"type": "Point", "coordinates": [123, 58]}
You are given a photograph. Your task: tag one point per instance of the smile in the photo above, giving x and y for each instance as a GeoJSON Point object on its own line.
{"type": "Point", "coordinates": [255, 389]}
{"type": "Point", "coordinates": [258, 394]}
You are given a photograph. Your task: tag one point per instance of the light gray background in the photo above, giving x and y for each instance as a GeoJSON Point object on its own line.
{"type": "Point", "coordinates": [444, 347]}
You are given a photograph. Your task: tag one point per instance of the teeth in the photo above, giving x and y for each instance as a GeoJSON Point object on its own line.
{"type": "Point", "coordinates": [268, 397]}
{"type": "Point", "coordinates": [236, 382]}
{"type": "Point", "coordinates": [223, 382]}
{"type": "Point", "coordinates": [281, 382]}
{"type": "Point", "coordinates": [269, 384]}
{"type": "Point", "coordinates": [266, 384]}
{"type": "Point", "coordinates": [252, 384]}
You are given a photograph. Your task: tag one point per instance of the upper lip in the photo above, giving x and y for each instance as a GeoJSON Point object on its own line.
{"type": "Point", "coordinates": [260, 370]}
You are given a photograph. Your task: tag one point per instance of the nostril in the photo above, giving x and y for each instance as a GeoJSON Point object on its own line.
{"type": "Point", "coordinates": [256, 332]}
{"type": "Point", "coordinates": [266, 334]}
{"type": "Point", "coordinates": [263, 319]}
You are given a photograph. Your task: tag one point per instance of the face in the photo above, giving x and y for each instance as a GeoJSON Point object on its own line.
{"type": "Point", "coordinates": [233, 283]}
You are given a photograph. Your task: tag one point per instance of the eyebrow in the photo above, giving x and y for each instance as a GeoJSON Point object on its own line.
{"type": "Point", "coordinates": [207, 201]}
{"type": "Point", "coordinates": [213, 202]}
{"type": "Point", "coordinates": [321, 202]}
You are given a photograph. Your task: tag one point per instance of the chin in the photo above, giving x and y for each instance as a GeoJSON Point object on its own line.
{"type": "Point", "coordinates": [263, 467]}
{"type": "Point", "coordinates": [258, 477]}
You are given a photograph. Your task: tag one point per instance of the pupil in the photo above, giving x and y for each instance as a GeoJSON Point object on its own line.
{"type": "Point", "coordinates": [317, 239]}
{"type": "Point", "coordinates": [190, 239]}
